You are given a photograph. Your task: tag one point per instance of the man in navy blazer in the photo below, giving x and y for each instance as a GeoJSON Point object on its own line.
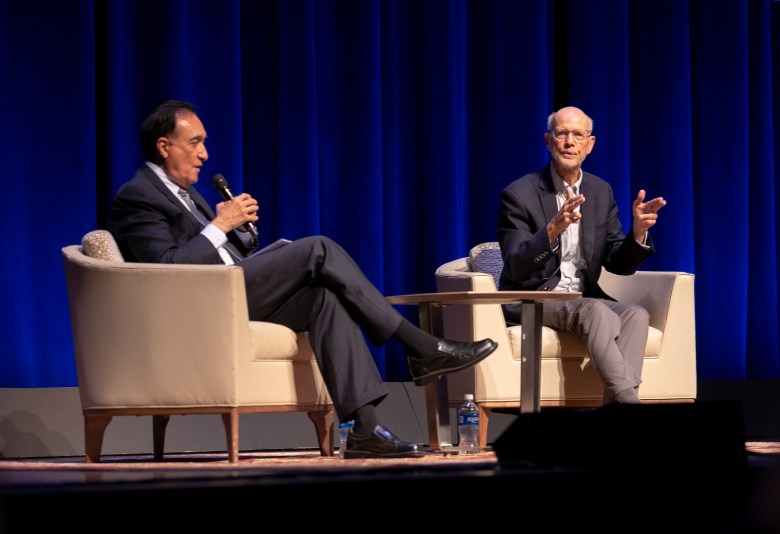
{"type": "Point", "coordinates": [310, 284]}
{"type": "Point", "coordinates": [557, 228]}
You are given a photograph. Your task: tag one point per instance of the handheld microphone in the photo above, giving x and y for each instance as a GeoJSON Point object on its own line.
{"type": "Point", "coordinates": [221, 185]}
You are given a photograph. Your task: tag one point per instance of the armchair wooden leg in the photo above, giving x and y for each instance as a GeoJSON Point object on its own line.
{"type": "Point", "coordinates": [484, 419]}
{"type": "Point", "coordinates": [323, 423]}
{"type": "Point", "coordinates": [230, 420]}
{"type": "Point", "coordinates": [159, 424]}
{"type": "Point", "coordinates": [94, 430]}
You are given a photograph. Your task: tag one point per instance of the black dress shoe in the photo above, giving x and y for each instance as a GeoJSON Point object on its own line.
{"type": "Point", "coordinates": [450, 356]}
{"type": "Point", "coordinates": [381, 443]}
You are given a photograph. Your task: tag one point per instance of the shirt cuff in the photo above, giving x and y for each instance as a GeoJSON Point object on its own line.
{"type": "Point", "coordinates": [215, 235]}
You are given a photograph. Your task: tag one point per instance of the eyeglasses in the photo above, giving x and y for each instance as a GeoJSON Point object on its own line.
{"type": "Point", "coordinates": [579, 135]}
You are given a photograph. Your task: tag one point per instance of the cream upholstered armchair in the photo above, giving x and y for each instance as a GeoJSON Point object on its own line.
{"type": "Point", "coordinates": [161, 340]}
{"type": "Point", "coordinates": [568, 378]}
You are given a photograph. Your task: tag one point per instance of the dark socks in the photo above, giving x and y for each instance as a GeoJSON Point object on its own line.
{"type": "Point", "coordinates": [365, 419]}
{"type": "Point", "coordinates": [418, 344]}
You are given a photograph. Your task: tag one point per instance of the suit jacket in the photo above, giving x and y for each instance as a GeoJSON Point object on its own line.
{"type": "Point", "coordinates": [529, 203]}
{"type": "Point", "coordinates": [151, 225]}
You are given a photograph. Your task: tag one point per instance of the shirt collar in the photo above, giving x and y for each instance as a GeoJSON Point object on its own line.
{"type": "Point", "coordinates": [560, 185]}
{"type": "Point", "coordinates": [164, 177]}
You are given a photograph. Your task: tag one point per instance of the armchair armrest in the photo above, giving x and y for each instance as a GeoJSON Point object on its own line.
{"type": "Point", "coordinates": [659, 292]}
{"type": "Point", "coordinates": [456, 275]}
{"type": "Point", "coordinates": [190, 346]}
{"type": "Point", "coordinates": [668, 296]}
{"type": "Point", "coordinates": [473, 322]}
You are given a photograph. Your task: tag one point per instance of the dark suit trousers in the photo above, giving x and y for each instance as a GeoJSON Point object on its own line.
{"type": "Point", "coordinates": [313, 285]}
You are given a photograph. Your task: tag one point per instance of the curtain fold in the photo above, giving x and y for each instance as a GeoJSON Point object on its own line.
{"type": "Point", "coordinates": [392, 127]}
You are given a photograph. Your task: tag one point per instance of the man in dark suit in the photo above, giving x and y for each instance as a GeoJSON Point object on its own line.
{"type": "Point", "coordinates": [557, 228]}
{"type": "Point", "coordinates": [310, 284]}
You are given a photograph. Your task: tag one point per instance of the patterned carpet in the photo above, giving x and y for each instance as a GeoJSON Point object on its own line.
{"type": "Point", "coordinates": [763, 447]}
{"type": "Point", "coordinates": [305, 459]}
{"type": "Point", "coordinates": [288, 459]}
{"type": "Point", "coordinates": [273, 462]}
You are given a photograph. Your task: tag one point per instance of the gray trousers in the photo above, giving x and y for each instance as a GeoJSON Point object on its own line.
{"type": "Point", "coordinates": [615, 334]}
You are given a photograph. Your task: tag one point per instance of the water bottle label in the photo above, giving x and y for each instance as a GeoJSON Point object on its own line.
{"type": "Point", "coordinates": [468, 419]}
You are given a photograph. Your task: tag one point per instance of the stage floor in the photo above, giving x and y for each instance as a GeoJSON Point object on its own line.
{"type": "Point", "coordinates": [191, 490]}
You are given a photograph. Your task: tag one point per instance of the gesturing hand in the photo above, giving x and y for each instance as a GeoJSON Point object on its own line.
{"type": "Point", "coordinates": [568, 214]}
{"type": "Point", "coordinates": [645, 214]}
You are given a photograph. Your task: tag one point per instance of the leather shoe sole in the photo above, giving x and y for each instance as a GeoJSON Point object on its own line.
{"type": "Point", "coordinates": [381, 443]}
{"type": "Point", "coordinates": [450, 356]}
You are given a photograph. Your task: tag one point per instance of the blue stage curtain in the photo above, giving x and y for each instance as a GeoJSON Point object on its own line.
{"type": "Point", "coordinates": [392, 126]}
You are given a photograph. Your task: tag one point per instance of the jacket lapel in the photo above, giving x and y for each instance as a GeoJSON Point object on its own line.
{"type": "Point", "coordinates": [588, 222]}
{"type": "Point", "coordinates": [547, 196]}
{"type": "Point", "coordinates": [196, 197]}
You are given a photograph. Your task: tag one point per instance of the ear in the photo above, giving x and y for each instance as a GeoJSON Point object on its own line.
{"type": "Point", "coordinates": [163, 147]}
{"type": "Point", "coordinates": [591, 142]}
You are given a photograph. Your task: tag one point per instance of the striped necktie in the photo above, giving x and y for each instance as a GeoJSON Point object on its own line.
{"type": "Point", "coordinates": [183, 193]}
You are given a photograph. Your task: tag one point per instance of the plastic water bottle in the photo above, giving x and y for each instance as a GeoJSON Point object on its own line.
{"type": "Point", "coordinates": [468, 426]}
{"type": "Point", "coordinates": [344, 429]}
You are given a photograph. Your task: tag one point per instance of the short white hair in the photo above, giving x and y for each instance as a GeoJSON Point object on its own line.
{"type": "Point", "coordinates": [551, 122]}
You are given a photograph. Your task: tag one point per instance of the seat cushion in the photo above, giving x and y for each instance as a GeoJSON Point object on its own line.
{"type": "Point", "coordinates": [561, 345]}
{"type": "Point", "coordinates": [275, 342]}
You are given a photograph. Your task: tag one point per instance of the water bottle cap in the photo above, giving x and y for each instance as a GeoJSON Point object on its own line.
{"type": "Point", "coordinates": [468, 396]}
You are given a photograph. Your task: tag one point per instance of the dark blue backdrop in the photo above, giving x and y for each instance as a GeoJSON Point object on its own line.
{"type": "Point", "coordinates": [392, 126]}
